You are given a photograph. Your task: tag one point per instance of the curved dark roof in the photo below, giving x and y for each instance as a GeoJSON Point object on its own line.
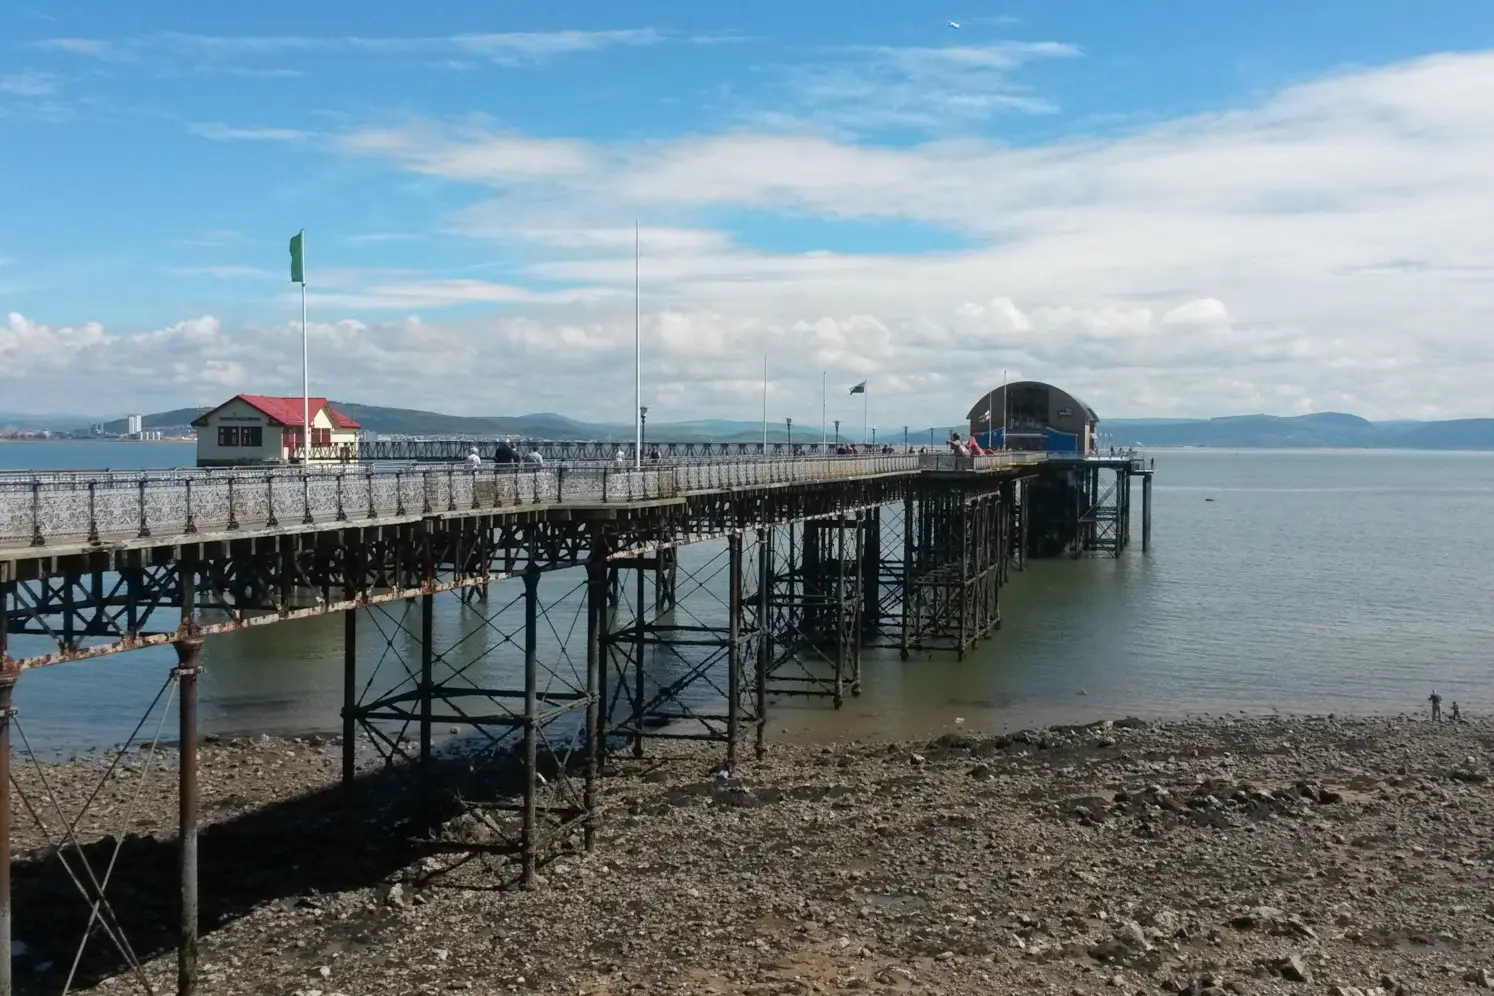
{"type": "Point", "coordinates": [996, 397]}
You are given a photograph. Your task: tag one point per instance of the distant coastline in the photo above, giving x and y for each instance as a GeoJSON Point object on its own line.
{"type": "Point", "coordinates": [64, 439]}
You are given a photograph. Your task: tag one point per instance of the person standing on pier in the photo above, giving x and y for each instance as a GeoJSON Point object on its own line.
{"type": "Point", "coordinates": [620, 460]}
{"type": "Point", "coordinates": [473, 459]}
{"type": "Point", "coordinates": [1436, 701]}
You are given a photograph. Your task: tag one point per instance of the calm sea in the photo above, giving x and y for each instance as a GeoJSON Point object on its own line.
{"type": "Point", "coordinates": [1321, 581]}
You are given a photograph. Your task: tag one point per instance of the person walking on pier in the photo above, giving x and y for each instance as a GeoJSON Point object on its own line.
{"type": "Point", "coordinates": [473, 459]}
{"type": "Point", "coordinates": [1436, 701]}
{"type": "Point", "coordinates": [620, 460]}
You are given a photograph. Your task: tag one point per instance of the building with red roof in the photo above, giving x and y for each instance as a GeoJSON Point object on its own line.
{"type": "Point", "coordinates": [257, 429]}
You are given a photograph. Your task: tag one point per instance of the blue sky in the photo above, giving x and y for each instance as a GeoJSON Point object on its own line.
{"type": "Point", "coordinates": [1112, 196]}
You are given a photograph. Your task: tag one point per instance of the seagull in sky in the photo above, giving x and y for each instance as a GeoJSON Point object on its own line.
{"type": "Point", "coordinates": [954, 24]}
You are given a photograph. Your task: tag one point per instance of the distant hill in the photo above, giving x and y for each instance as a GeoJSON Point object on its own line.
{"type": "Point", "coordinates": [174, 419]}
{"type": "Point", "coordinates": [1324, 429]}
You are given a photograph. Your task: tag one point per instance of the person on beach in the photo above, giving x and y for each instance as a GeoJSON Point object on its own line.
{"type": "Point", "coordinates": [1436, 701]}
{"type": "Point", "coordinates": [1456, 716]}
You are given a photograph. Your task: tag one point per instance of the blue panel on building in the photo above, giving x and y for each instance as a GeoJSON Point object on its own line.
{"type": "Point", "coordinates": [1062, 442]}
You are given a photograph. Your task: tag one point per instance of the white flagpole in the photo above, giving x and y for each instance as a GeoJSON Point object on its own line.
{"type": "Point", "coordinates": [765, 403]}
{"type": "Point", "coordinates": [637, 360]}
{"type": "Point", "coordinates": [305, 366]}
{"type": "Point", "coordinates": [1005, 406]}
{"type": "Point", "coordinates": [824, 404]}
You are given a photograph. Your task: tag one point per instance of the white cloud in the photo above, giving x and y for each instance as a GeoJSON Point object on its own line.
{"type": "Point", "coordinates": [225, 272]}
{"type": "Point", "coordinates": [432, 294]}
{"type": "Point", "coordinates": [94, 47]}
{"type": "Point", "coordinates": [469, 154]}
{"type": "Point", "coordinates": [28, 84]}
{"type": "Point", "coordinates": [521, 47]}
{"type": "Point", "coordinates": [919, 87]}
{"type": "Point", "coordinates": [378, 238]}
{"type": "Point", "coordinates": [1332, 244]}
{"type": "Point", "coordinates": [226, 133]}
{"type": "Point", "coordinates": [228, 53]}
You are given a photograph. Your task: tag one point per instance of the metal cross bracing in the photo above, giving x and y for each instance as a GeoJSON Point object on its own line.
{"type": "Point", "coordinates": [93, 602]}
{"type": "Point", "coordinates": [813, 607]}
{"type": "Point", "coordinates": [958, 555]}
{"type": "Point", "coordinates": [519, 677]}
{"type": "Point", "coordinates": [1105, 512]}
{"type": "Point", "coordinates": [681, 648]}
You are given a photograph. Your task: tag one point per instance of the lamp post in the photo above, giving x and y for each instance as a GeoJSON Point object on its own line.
{"type": "Point", "coordinates": [837, 434]}
{"type": "Point", "coordinates": [789, 422]}
{"type": "Point", "coordinates": [874, 437]}
{"type": "Point", "coordinates": [905, 439]}
{"type": "Point", "coordinates": [642, 430]}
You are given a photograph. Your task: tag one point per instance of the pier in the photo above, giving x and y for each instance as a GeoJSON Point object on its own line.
{"type": "Point", "coordinates": [824, 556]}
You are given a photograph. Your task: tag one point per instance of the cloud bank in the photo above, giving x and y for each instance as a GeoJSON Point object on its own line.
{"type": "Point", "coordinates": [1327, 248]}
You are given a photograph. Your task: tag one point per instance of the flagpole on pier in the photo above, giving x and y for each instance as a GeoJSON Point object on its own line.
{"type": "Point", "coordinates": [305, 384]}
{"type": "Point", "coordinates": [637, 360]}
{"type": "Point", "coordinates": [298, 275]}
{"type": "Point", "coordinates": [1005, 406]}
{"type": "Point", "coordinates": [824, 405]}
{"type": "Point", "coordinates": [765, 403]}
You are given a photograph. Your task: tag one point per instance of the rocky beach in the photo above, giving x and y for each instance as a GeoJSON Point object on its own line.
{"type": "Point", "coordinates": [1272, 855]}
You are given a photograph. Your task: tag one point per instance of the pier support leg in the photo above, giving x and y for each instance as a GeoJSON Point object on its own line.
{"type": "Point", "coordinates": [596, 625]}
{"type": "Point", "coordinates": [764, 635]}
{"type": "Point", "coordinates": [864, 599]}
{"type": "Point", "coordinates": [427, 682]}
{"type": "Point", "coordinates": [349, 700]}
{"type": "Point", "coordinates": [812, 586]}
{"type": "Point", "coordinates": [530, 841]}
{"type": "Point", "coordinates": [1146, 513]}
{"type": "Point", "coordinates": [734, 649]}
{"type": "Point", "coordinates": [187, 652]}
{"type": "Point", "coordinates": [638, 645]}
{"type": "Point", "coordinates": [908, 569]}
{"type": "Point", "coordinates": [963, 552]}
{"type": "Point", "coordinates": [842, 638]}
{"type": "Point", "coordinates": [7, 689]}
{"type": "Point", "coordinates": [869, 541]}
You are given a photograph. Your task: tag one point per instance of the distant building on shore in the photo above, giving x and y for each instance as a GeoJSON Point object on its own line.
{"type": "Point", "coordinates": [255, 429]}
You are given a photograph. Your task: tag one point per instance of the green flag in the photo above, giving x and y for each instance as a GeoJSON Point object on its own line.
{"type": "Point", "coordinates": [298, 258]}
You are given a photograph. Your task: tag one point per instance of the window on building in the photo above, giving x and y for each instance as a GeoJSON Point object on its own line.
{"type": "Point", "coordinates": [228, 435]}
{"type": "Point", "coordinates": [252, 435]}
{"type": "Point", "coordinates": [321, 437]}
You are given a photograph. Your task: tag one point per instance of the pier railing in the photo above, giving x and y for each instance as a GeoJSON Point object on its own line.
{"type": "Point", "coordinates": [101, 507]}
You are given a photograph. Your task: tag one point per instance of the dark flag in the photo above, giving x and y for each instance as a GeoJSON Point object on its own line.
{"type": "Point", "coordinates": [859, 388]}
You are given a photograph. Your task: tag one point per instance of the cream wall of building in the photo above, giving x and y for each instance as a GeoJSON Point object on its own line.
{"type": "Point", "coordinates": [272, 448]}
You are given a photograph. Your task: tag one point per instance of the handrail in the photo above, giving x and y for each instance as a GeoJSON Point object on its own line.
{"type": "Point", "coordinates": [111, 506]}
